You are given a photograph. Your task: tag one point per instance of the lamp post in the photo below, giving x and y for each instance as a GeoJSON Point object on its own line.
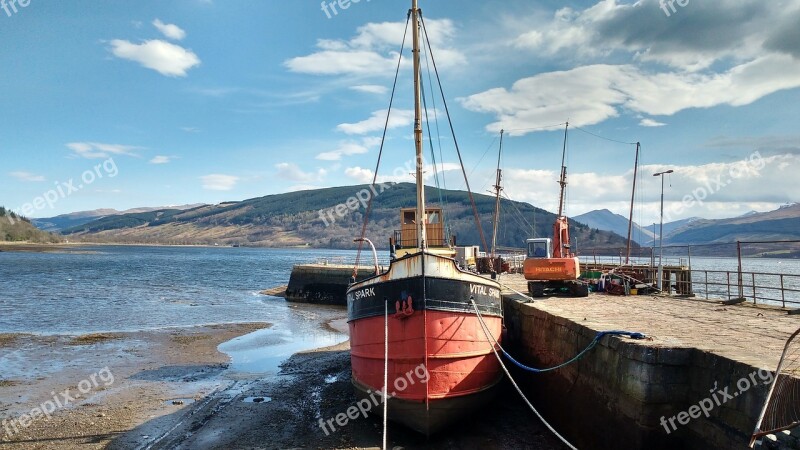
{"type": "Point", "coordinates": [661, 231]}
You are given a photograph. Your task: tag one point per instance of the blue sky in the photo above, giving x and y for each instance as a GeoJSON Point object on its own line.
{"type": "Point", "coordinates": [204, 101]}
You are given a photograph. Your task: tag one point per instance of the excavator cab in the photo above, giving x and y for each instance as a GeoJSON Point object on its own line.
{"type": "Point", "coordinates": [540, 248]}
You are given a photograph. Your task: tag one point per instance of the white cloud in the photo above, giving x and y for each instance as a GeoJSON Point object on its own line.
{"type": "Point", "coordinates": [718, 190]}
{"type": "Point", "coordinates": [163, 57]}
{"type": "Point", "coordinates": [694, 37]}
{"type": "Point", "coordinates": [359, 174]}
{"type": "Point", "coordinates": [350, 147]}
{"type": "Point", "coordinates": [400, 174]}
{"type": "Point", "coordinates": [169, 30]}
{"type": "Point", "coordinates": [592, 94]}
{"type": "Point", "coordinates": [370, 89]}
{"type": "Point", "coordinates": [95, 150]}
{"type": "Point", "coordinates": [651, 123]}
{"type": "Point", "coordinates": [373, 51]}
{"type": "Point", "coordinates": [27, 176]}
{"type": "Point", "coordinates": [704, 55]}
{"type": "Point", "coordinates": [292, 172]}
{"type": "Point", "coordinates": [376, 122]}
{"type": "Point", "coordinates": [161, 160]}
{"type": "Point", "coordinates": [219, 182]}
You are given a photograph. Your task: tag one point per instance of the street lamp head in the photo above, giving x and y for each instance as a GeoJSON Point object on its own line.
{"type": "Point", "coordinates": [662, 173]}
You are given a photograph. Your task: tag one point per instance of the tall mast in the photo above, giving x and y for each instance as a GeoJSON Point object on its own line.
{"type": "Point", "coordinates": [497, 189]}
{"type": "Point", "coordinates": [421, 226]}
{"type": "Point", "coordinates": [563, 180]}
{"type": "Point", "coordinates": [633, 197]}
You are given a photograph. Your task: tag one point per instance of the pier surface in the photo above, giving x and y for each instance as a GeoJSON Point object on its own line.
{"type": "Point", "coordinates": [695, 348]}
{"type": "Point", "coordinates": [747, 333]}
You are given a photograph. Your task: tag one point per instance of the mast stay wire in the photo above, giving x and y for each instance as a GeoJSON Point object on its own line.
{"type": "Point", "coordinates": [453, 132]}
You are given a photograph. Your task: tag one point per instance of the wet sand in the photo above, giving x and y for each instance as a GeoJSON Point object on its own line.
{"type": "Point", "coordinates": [174, 389]}
{"type": "Point", "coordinates": [145, 371]}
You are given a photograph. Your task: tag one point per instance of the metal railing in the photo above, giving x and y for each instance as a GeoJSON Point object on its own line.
{"type": "Point", "coordinates": [777, 289]}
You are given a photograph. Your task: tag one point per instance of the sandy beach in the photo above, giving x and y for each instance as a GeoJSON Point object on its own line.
{"type": "Point", "coordinates": [173, 388]}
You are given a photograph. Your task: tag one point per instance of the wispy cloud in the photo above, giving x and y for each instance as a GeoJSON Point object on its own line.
{"type": "Point", "coordinates": [165, 58]}
{"type": "Point", "coordinates": [370, 89]}
{"type": "Point", "coordinates": [350, 147]}
{"type": "Point", "coordinates": [376, 122]}
{"type": "Point", "coordinates": [169, 30]}
{"type": "Point", "coordinates": [27, 176]}
{"type": "Point", "coordinates": [219, 182]}
{"type": "Point", "coordinates": [95, 150]}
{"type": "Point", "coordinates": [651, 123]}
{"type": "Point", "coordinates": [373, 50]}
{"type": "Point", "coordinates": [161, 160]}
{"type": "Point", "coordinates": [400, 174]}
{"type": "Point", "coordinates": [292, 172]}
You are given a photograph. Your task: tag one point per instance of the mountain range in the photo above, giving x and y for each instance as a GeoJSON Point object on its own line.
{"type": "Point", "coordinates": [70, 220]}
{"type": "Point", "coordinates": [603, 219]}
{"type": "Point", "coordinates": [328, 218]}
{"type": "Point", "coordinates": [779, 225]}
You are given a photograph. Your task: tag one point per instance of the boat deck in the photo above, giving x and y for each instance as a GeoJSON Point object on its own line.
{"type": "Point", "coordinates": [753, 335]}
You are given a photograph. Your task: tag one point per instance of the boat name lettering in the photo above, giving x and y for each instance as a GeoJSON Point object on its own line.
{"type": "Point", "coordinates": [364, 293]}
{"type": "Point", "coordinates": [484, 290]}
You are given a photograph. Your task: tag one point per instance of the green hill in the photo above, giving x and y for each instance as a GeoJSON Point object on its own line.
{"type": "Point", "coordinates": [309, 218]}
{"type": "Point", "coordinates": [15, 228]}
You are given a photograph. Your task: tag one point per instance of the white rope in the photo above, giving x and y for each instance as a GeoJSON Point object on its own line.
{"type": "Point", "coordinates": [385, 370]}
{"type": "Point", "coordinates": [490, 339]}
{"type": "Point", "coordinates": [514, 290]}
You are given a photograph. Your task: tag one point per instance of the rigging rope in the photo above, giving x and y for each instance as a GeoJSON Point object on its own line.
{"type": "Point", "coordinates": [433, 153]}
{"type": "Point", "coordinates": [380, 152]}
{"type": "Point", "coordinates": [453, 132]}
{"type": "Point", "coordinates": [603, 137]}
{"type": "Point", "coordinates": [438, 137]}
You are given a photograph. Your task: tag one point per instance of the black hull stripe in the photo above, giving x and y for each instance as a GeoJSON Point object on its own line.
{"type": "Point", "coordinates": [441, 294]}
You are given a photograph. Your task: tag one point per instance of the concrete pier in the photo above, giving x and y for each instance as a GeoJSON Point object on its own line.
{"type": "Point", "coordinates": [322, 283]}
{"type": "Point", "coordinates": [647, 394]}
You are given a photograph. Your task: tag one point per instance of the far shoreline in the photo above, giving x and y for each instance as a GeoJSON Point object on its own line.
{"type": "Point", "coordinates": [35, 247]}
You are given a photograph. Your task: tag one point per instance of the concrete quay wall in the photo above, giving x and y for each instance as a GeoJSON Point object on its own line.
{"type": "Point", "coordinates": [623, 393]}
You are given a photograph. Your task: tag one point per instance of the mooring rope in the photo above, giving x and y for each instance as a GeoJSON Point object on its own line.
{"type": "Point", "coordinates": [489, 339]}
{"type": "Point", "coordinates": [591, 345]}
{"type": "Point", "coordinates": [385, 369]}
{"type": "Point", "coordinates": [514, 290]}
{"type": "Point", "coordinates": [495, 345]}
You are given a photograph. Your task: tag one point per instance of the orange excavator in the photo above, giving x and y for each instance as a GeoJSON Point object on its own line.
{"type": "Point", "coordinates": [550, 266]}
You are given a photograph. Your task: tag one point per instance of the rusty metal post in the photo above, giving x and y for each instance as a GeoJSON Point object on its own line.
{"type": "Point", "coordinates": [783, 293]}
{"type": "Point", "coordinates": [729, 284]}
{"type": "Point", "coordinates": [741, 280]}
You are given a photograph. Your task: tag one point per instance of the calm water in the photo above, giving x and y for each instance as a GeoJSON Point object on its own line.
{"type": "Point", "coordinates": [123, 288]}
{"type": "Point", "coordinates": [110, 288]}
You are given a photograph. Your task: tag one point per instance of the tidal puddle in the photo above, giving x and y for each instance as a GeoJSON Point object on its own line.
{"type": "Point", "coordinates": [263, 351]}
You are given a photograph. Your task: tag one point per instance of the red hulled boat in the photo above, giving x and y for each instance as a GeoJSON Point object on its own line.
{"type": "Point", "coordinates": [440, 364]}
